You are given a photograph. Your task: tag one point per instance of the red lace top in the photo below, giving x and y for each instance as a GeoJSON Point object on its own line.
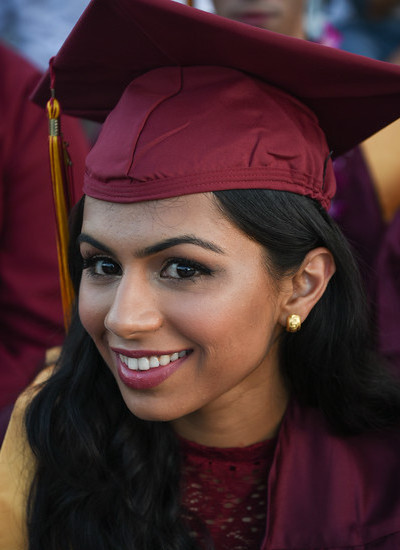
{"type": "Point", "coordinates": [225, 493]}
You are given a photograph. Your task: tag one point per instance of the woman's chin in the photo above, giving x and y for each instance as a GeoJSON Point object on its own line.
{"type": "Point", "coordinates": [152, 413]}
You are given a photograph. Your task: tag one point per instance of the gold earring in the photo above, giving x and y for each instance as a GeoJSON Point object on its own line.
{"type": "Point", "coordinates": [293, 323]}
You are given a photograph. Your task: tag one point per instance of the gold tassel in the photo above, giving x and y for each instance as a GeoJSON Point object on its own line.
{"type": "Point", "coordinates": [189, 3]}
{"type": "Point", "coordinates": [60, 165]}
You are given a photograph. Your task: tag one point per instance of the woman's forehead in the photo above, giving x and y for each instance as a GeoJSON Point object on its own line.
{"type": "Point", "coordinates": [196, 213]}
{"type": "Point", "coordinates": [203, 202]}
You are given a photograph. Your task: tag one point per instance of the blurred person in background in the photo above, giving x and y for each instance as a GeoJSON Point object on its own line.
{"type": "Point", "coordinates": [366, 27]}
{"type": "Point", "coordinates": [372, 28]}
{"type": "Point", "coordinates": [37, 28]}
{"type": "Point", "coordinates": [31, 313]}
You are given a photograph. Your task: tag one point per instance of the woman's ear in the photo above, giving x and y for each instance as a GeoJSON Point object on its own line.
{"type": "Point", "coordinates": [308, 284]}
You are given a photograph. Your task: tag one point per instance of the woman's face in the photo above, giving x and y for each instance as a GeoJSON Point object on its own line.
{"type": "Point", "coordinates": [182, 309]}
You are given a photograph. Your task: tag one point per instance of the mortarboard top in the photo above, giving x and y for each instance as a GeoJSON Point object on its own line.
{"type": "Point", "coordinates": [212, 103]}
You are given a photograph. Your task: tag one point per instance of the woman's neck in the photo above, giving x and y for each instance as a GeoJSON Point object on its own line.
{"type": "Point", "coordinates": [237, 420]}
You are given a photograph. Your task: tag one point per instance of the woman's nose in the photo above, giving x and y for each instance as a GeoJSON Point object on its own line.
{"type": "Point", "coordinates": [134, 309]}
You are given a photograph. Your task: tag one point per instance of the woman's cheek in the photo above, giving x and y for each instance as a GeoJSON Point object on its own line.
{"type": "Point", "coordinates": [92, 309]}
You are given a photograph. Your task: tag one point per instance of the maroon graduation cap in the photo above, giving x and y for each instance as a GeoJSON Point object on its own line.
{"type": "Point", "coordinates": [193, 102]}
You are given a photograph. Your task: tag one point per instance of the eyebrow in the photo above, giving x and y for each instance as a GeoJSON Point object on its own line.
{"type": "Point", "coordinates": [157, 247]}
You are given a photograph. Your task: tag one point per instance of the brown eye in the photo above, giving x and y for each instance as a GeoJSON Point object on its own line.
{"type": "Point", "coordinates": [106, 267]}
{"type": "Point", "coordinates": [184, 269]}
{"type": "Point", "coordinates": [101, 266]}
{"type": "Point", "coordinates": [179, 271]}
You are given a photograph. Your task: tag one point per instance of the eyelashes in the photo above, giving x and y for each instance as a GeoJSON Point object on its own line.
{"type": "Point", "coordinates": [183, 268]}
{"type": "Point", "coordinates": [101, 266]}
{"type": "Point", "coordinates": [174, 268]}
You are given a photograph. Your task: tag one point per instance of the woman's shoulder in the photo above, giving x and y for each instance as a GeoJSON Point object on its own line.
{"type": "Point", "coordinates": [25, 399]}
{"type": "Point", "coordinates": [345, 491]}
{"type": "Point", "coordinates": [17, 465]}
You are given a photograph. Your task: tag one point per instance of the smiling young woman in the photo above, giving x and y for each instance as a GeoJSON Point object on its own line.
{"type": "Point", "coordinates": [216, 388]}
{"type": "Point", "coordinates": [181, 285]}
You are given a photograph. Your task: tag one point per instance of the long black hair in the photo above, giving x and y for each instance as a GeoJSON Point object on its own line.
{"type": "Point", "coordinates": [106, 480]}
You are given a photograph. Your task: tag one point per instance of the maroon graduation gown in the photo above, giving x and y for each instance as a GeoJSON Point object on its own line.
{"type": "Point", "coordinates": [327, 492]}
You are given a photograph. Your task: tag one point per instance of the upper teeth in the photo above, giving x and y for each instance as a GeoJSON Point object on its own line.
{"type": "Point", "coordinates": [146, 363]}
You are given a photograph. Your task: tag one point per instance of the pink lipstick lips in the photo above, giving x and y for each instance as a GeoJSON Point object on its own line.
{"type": "Point", "coordinates": [147, 369]}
